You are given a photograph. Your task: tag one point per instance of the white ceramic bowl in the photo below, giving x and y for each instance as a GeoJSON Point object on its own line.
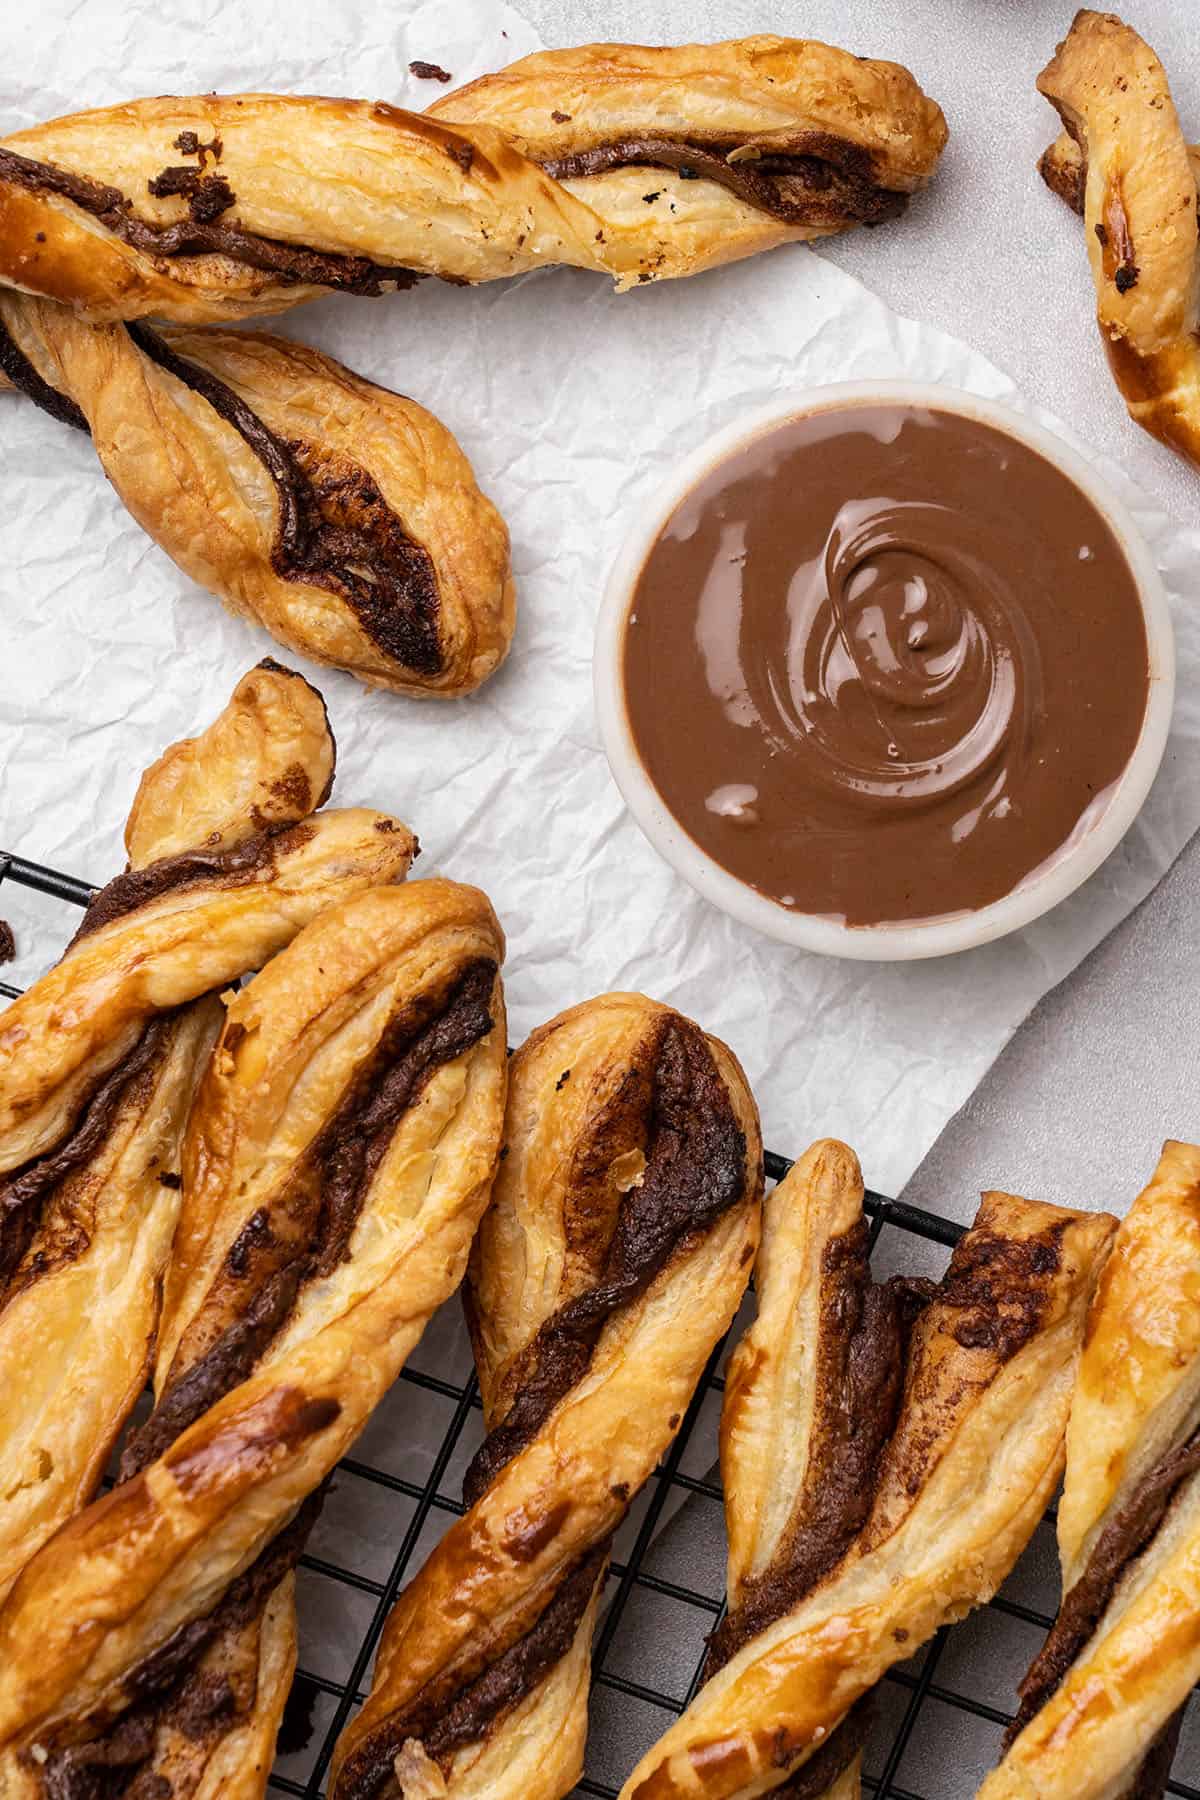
{"type": "Point", "coordinates": [932, 937]}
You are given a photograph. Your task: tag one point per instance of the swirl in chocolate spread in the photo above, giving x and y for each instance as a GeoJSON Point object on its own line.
{"type": "Point", "coordinates": [204, 235]}
{"type": "Point", "coordinates": [908, 663]}
{"type": "Point", "coordinates": [818, 180]}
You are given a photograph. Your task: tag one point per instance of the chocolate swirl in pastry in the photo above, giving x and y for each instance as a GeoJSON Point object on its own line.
{"type": "Point", "coordinates": [337, 1160]}
{"type": "Point", "coordinates": [1134, 179]}
{"type": "Point", "coordinates": [341, 517]}
{"type": "Point", "coordinates": [861, 1520]}
{"type": "Point", "coordinates": [97, 1066]}
{"type": "Point", "coordinates": [1101, 1705]}
{"type": "Point", "coordinates": [614, 1253]}
{"type": "Point", "coordinates": [748, 144]}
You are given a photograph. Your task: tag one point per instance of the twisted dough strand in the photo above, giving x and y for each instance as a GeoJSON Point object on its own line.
{"type": "Point", "coordinates": [1102, 1703]}
{"type": "Point", "coordinates": [221, 207]}
{"type": "Point", "coordinates": [97, 1067]}
{"type": "Point", "coordinates": [1136, 178]}
{"type": "Point", "coordinates": [338, 1157]}
{"type": "Point", "coordinates": [341, 517]}
{"type": "Point", "coordinates": [845, 1557]}
{"type": "Point", "coordinates": [613, 1256]}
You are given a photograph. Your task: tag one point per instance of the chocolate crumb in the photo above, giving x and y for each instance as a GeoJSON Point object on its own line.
{"type": "Point", "coordinates": [169, 1179]}
{"type": "Point", "coordinates": [8, 943]}
{"type": "Point", "coordinates": [650, 198]}
{"type": "Point", "coordinates": [429, 71]}
{"type": "Point", "coordinates": [562, 1081]}
{"type": "Point", "coordinates": [561, 118]}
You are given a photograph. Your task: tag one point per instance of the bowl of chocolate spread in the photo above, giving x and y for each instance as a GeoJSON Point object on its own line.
{"type": "Point", "coordinates": [885, 671]}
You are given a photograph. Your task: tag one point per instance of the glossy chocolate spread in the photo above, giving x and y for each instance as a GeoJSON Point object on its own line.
{"type": "Point", "coordinates": [884, 663]}
{"type": "Point", "coordinates": [820, 180]}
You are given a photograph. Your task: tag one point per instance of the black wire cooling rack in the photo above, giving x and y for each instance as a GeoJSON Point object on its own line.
{"type": "Point", "coordinates": [935, 1684]}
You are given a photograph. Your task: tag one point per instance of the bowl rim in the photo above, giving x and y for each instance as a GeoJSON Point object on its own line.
{"type": "Point", "coordinates": [911, 940]}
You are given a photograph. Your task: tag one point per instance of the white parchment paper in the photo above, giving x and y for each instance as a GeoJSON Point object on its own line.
{"type": "Point", "coordinates": [572, 403]}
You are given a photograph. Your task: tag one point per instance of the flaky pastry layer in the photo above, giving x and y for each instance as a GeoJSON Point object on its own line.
{"type": "Point", "coordinates": [614, 1253]}
{"type": "Point", "coordinates": [1135, 175]}
{"type": "Point", "coordinates": [971, 1460]}
{"type": "Point", "coordinates": [339, 1154]}
{"type": "Point", "coordinates": [341, 517]}
{"type": "Point", "coordinates": [1102, 1701]}
{"type": "Point", "coordinates": [222, 207]}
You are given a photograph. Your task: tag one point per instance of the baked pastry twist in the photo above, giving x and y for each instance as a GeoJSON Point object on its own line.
{"type": "Point", "coordinates": [1101, 1705]}
{"type": "Point", "coordinates": [223, 207]}
{"type": "Point", "coordinates": [97, 1067]}
{"type": "Point", "coordinates": [341, 517]}
{"type": "Point", "coordinates": [862, 1519]}
{"type": "Point", "coordinates": [1134, 179]}
{"type": "Point", "coordinates": [337, 1160]}
{"type": "Point", "coordinates": [613, 1256]}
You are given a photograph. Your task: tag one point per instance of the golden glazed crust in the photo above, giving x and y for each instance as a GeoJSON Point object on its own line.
{"type": "Point", "coordinates": [266, 760]}
{"type": "Point", "coordinates": [1139, 204]}
{"type": "Point", "coordinates": [341, 517]}
{"type": "Point", "coordinates": [319, 193]}
{"type": "Point", "coordinates": [614, 1253]}
{"type": "Point", "coordinates": [84, 1238]}
{"type": "Point", "coordinates": [1136, 1410]}
{"type": "Point", "coordinates": [339, 1155]}
{"type": "Point", "coordinates": [972, 1461]}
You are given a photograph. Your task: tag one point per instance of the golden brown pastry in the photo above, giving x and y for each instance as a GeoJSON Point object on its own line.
{"type": "Point", "coordinates": [861, 1518]}
{"type": "Point", "coordinates": [222, 207]}
{"type": "Point", "coordinates": [1133, 177]}
{"type": "Point", "coordinates": [613, 1256]}
{"type": "Point", "coordinates": [1101, 1705]}
{"type": "Point", "coordinates": [341, 517]}
{"type": "Point", "coordinates": [337, 1160]}
{"type": "Point", "coordinates": [97, 1066]}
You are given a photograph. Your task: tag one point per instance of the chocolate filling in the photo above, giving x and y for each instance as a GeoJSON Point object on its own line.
{"type": "Point", "coordinates": [233, 867]}
{"type": "Point", "coordinates": [24, 377]}
{"type": "Point", "coordinates": [858, 1377]}
{"type": "Point", "coordinates": [1124, 1537]}
{"type": "Point", "coordinates": [22, 1194]}
{"type": "Point", "coordinates": [336, 530]}
{"type": "Point", "coordinates": [275, 1263]}
{"type": "Point", "coordinates": [207, 236]}
{"type": "Point", "coordinates": [814, 1779]}
{"type": "Point", "coordinates": [444, 1718]}
{"type": "Point", "coordinates": [167, 1689]}
{"type": "Point", "coordinates": [695, 1171]}
{"type": "Point", "coordinates": [820, 180]}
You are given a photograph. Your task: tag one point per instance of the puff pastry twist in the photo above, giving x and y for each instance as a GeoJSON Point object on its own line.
{"type": "Point", "coordinates": [341, 517]}
{"type": "Point", "coordinates": [614, 1254]}
{"type": "Point", "coordinates": [222, 207]}
{"type": "Point", "coordinates": [1124, 164]}
{"type": "Point", "coordinates": [861, 1520]}
{"type": "Point", "coordinates": [337, 1160]}
{"type": "Point", "coordinates": [1102, 1703]}
{"type": "Point", "coordinates": [97, 1066]}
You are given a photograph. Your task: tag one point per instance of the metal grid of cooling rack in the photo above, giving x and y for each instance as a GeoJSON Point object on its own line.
{"type": "Point", "coordinates": [932, 1682]}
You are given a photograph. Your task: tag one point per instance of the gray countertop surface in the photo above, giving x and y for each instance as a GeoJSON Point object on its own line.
{"type": "Point", "coordinates": [1106, 1066]}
